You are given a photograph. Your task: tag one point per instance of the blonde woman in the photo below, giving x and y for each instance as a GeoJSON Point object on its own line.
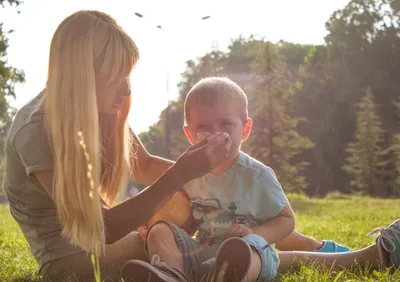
{"type": "Point", "coordinates": [46, 181]}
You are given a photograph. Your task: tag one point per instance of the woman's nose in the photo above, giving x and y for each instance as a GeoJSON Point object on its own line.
{"type": "Point", "coordinates": [124, 91]}
{"type": "Point", "coordinates": [127, 93]}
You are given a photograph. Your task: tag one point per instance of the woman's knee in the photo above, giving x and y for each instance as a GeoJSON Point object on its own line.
{"type": "Point", "coordinates": [160, 231]}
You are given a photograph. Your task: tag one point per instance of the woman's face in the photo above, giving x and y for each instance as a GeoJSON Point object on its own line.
{"type": "Point", "coordinates": [109, 100]}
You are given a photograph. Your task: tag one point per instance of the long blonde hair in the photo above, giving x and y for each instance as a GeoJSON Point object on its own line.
{"type": "Point", "coordinates": [88, 47]}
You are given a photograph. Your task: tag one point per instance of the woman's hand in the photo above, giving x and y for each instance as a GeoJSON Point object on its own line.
{"type": "Point", "coordinates": [194, 163]}
{"type": "Point", "coordinates": [201, 158]}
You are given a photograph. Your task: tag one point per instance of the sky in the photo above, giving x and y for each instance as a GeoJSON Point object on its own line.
{"type": "Point", "coordinates": [163, 53]}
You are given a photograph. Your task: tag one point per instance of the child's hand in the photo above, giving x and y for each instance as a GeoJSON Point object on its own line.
{"type": "Point", "coordinates": [236, 230]}
{"type": "Point", "coordinates": [143, 231]}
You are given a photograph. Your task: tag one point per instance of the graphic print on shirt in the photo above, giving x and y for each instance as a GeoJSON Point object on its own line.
{"type": "Point", "coordinates": [212, 220]}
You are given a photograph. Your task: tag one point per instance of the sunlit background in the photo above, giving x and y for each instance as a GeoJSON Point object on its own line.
{"type": "Point", "coordinates": [184, 35]}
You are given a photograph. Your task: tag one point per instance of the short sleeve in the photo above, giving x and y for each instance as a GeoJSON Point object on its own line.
{"type": "Point", "coordinates": [30, 145]}
{"type": "Point", "coordinates": [267, 198]}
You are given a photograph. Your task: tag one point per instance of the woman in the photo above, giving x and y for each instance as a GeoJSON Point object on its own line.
{"type": "Point", "coordinates": [62, 216]}
{"type": "Point", "coordinates": [46, 179]}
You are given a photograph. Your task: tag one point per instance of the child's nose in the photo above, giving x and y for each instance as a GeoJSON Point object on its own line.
{"type": "Point", "coordinates": [214, 129]}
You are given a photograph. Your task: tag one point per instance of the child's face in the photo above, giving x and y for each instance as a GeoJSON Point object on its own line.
{"type": "Point", "coordinates": [222, 117]}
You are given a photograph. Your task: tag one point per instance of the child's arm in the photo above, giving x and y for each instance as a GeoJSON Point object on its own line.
{"type": "Point", "coordinates": [270, 205]}
{"type": "Point", "coordinates": [278, 227]}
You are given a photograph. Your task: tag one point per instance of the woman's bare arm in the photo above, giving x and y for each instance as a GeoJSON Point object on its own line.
{"type": "Point", "coordinates": [129, 215]}
{"type": "Point", "coordinates": [146, 167]}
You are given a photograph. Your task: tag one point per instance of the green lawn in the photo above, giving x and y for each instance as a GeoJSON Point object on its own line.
{"type": "Point", "coordinates": [345, 219]}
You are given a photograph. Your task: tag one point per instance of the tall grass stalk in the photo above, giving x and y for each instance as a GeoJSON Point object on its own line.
{"type": "Point", "coordinates": [95, 258]}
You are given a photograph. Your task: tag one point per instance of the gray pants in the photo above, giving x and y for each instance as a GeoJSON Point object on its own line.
{"type": "Point", "coordinates": [79, 266]}
{"type": "Point", "coordinates": [195, 255]}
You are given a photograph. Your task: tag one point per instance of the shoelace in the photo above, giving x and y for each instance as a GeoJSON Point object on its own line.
{"type": "Point", "coordinates": [210, 261]}
{"type": "Point", "coordinates": [387, 240]}
{"type": "Point", "coordinates": [156, 262]}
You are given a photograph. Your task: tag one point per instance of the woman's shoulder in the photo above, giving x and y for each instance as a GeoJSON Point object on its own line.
{"type": "Point", "coordinates": [28, 123]}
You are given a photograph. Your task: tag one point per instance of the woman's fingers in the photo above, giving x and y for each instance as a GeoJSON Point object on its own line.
{"type": "Point", "coordinates": [218, 140]}
{"type": "Point", "coordinates": [198, 145]}
{"type": "Point", "coordinates": [216, 148]}
{"type": "Point", "coordinates": [204, 156]}
{"type": "Point", "coordinates": [221, 153]}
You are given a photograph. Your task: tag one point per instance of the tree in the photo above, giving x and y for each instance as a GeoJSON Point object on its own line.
{"type": "Point", "coordinates": [9, 76]}
{"type": "Point", "coordinates": [275, 140]}
{"type": "Point", "coordinates": [360, 50]}
{"type": "Point", "coordinates": [394, 151]}
{"type": "Point", "coordinates": [365, 159]}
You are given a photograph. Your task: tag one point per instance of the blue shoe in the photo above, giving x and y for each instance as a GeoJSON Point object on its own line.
{"type": "Point", "coordinates": [389, 240]}
{"type": "Point", "coordinates": [329, 246]}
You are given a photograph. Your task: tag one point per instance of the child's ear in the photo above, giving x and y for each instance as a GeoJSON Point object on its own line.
{"type": "Point", "coordinates": [247, 129]}
{"type": "Point", "coordinates": [188, 134]}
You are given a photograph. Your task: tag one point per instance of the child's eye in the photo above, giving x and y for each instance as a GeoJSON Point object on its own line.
{"type": "Point", "coordinates": [226, 123]}
{"type": "Point", "coordinates": [201, 127]}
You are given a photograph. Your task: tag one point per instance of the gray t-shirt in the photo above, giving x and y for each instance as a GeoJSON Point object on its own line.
{"type": "Point", "coordinates": [27, 152]}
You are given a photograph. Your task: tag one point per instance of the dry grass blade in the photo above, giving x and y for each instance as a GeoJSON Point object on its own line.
{"type": "Point", "coordinates": [95, 259]}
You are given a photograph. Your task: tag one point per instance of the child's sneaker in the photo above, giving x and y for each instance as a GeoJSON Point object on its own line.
{"type": "Point", "coordinates": [329, 246]}
{"type": "Point", "coordinates": [388, 240]}
{"type": "Point", "coordinates": [233, 260]}
{"type": "Point", "coordinates": [139, 271]}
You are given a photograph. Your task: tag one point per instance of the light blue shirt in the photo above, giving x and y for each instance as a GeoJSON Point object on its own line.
{"type": "Point", "coordinates": [248, 193]}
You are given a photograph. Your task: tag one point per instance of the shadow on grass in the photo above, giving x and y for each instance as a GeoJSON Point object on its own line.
{"type": "Point", "coordinates": [69, 278]}
{"type": "Point", "coordinates": [108, 276]}
{"type": "Point", "coordinates": [25, 279]}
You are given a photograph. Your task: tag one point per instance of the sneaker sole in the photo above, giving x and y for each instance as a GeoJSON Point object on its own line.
{"type": "Point", "coordinates": [140, 271]}
{"type": "Point", "coordinates": [237, 254]}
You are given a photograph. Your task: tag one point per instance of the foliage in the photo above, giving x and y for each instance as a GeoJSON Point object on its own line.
{"type": "Point", "coordinates": [314, 91]}
{"type": "Point", "coordinates": [9, 77]}
{"type": "Point", "coordinates": [365, 160]}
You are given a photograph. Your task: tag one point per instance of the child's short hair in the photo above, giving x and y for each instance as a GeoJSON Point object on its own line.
{"type": "Point", "coordinates": [212, 90]}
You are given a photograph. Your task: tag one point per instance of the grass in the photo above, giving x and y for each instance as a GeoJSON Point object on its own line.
{"type": "Point", "coordinates": [344, 219]}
